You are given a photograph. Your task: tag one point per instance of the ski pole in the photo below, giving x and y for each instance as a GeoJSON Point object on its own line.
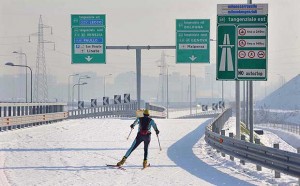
{"type": "Point", "coordinates": [158, 142]}
{"type": "Point", "coordinates": [129, 133]}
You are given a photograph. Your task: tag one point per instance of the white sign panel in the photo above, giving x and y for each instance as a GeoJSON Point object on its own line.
{"type": "Point", "coordinates": [242, 9]}
{"type": "Point", "coordinates": [192, 46]}
{"type": "Point", "coordinates": [251, 54]}
{"type": "Point", "coordinates": [252, 43]}
{"type": "Point", "coordinates": [252, 31]}
{"type": "Point", "coordinates": [251, 73]}
{"type": "Point", "coordinates": [88, 49]}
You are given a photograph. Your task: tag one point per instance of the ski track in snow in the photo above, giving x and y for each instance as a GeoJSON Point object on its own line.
{"type": "Point", "coordinates": [75, 152]}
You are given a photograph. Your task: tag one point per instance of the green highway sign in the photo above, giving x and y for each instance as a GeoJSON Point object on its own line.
{"type": "Point", "coordinates": [242, 42]}
{"type": "Point", "coordinates": [88, 39]}
{"type": "Point", "coordinates": [192, 40]}
{"type": "Point", "coordinates": [226, 52]}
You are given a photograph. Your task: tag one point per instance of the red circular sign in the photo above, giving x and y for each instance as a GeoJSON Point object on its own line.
{"type": "Point", "coordinates": [251, 54]}
{"type": "Point", "coordinates": [242, 54]}
{"type": "Point", "coordinates": [242, 43]}
{"type": "Point", "coordinates": [242, 31]}
{"type": "Point", "coordinates": [261, 54]}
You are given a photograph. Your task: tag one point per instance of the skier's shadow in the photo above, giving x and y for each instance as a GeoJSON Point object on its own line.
{"type": "Point", "coordinates": [182, 154]}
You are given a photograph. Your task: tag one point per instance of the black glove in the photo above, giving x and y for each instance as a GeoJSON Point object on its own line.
{"type": "Point", "coordinates": [132, 126]}
{"type": "Point", "coordinates": [157, 132]}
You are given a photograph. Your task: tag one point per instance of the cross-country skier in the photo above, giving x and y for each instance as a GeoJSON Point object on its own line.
{"type": "Point", "coordinates": [143, 135]}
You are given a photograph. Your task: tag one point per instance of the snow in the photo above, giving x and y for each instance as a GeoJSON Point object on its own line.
{"type": "Point", "coordinates": [270, 136]}
{"type": "Point", "coordinates": [285, 98]}
{"type": "Point", "coordinates": [290, 138]}
{"type": "Point", "coordinates": [236, 169]}
{"type": "Point", "coordinates": [281, 106]}
{"type": "Point", "coordinates": [75, 152]}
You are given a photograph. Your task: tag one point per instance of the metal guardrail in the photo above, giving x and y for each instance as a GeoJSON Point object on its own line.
{"type": "Point", "coordinates": [203, 114]}
{"type": "Point", "coordinates": [17, 122]}
{"type": "Point", "coordinates": [23, 109]}
{"type": "Point", "coordinates": [278, 160]}
{"type": "Point", "coordinates": [20, 115]}
{"type": "Point", "coordinates": [105, 111]}
{"type": "Point", "coordinates": [156, 111]}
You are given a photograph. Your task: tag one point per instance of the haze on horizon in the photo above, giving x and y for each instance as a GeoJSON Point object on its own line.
{"type": "Point", "coordinates": [136, 22]}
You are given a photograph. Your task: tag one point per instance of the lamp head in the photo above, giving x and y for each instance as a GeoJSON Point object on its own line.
{"type": "Point", "coordinates": [9, 64]}
{"type": "Point", "coordinates": [84, 77]}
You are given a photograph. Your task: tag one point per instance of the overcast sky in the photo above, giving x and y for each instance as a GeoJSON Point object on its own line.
{"type": "Point", "coordinates": [135, 22]}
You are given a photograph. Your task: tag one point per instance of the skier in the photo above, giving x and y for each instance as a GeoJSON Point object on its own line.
{"type": "Point", "coordinates": [143, 135]}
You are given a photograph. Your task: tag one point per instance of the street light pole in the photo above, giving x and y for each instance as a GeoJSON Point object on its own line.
{"type": "Point", "coordinates": [196, 90]}
{"type": "Point", "coordinates": [105, 83]}
{"type": "Point", "coordinates": [26, 86]}
{"type": "Point", "coordinates": [167, 93]}
{"type": "Point", "coordinates": [82, 77]}
{"type": "Point", "coordinates": [78, 84]}
{"type": "Point", "coordinates": [30, 84]}
{"type": "Point", "coordinates": [11, 64]}
{"type": "Point", "coordinates": [69, 86]}
{"type": "Point", "coordinates": [212, 86]}
{"type": "Point", "coordinates": [222, 91]}
{"type": "Point", "coordinates": [167, 67]}
{"type": "Point", "coordinates": [190, 88]}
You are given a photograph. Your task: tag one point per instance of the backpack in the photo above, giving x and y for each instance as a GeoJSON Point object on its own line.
{"type": "Point", "coordinates": [144, 125]}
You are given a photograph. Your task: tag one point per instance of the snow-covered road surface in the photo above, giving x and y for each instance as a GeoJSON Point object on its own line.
{"type": "Point", "coordinates": [74, 152]}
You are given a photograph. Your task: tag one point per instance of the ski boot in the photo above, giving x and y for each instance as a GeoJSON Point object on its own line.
{"type": "Point", "coordinates": [145, 164]}
{"type": "Point", "coordinates": [120, 163]}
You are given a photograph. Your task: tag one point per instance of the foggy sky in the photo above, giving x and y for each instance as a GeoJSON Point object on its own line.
{"type": "Point", "coordinates": [135, 22]}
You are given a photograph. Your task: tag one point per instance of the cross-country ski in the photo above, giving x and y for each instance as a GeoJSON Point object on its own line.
{"type": "Point", "coordinates": [116, 166]}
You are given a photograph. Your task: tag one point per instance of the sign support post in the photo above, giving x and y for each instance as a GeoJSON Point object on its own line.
{"type": "Point", "coordinates": [242, 49]}
{"type": "Point", "coordinates": [192, 44]}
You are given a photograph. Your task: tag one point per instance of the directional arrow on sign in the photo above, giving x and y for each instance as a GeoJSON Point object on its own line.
{"type": "Point", "coordinates": [89, 58]}
{"type": "Point", "coordinates": [193, 58]}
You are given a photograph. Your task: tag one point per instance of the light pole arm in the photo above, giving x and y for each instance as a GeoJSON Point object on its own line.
{"type": "Point", "coordinates": [30, 77]}
{"type": "Point", "coordinates": [73, 93]}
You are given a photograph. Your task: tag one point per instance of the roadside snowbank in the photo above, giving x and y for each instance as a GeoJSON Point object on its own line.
{"type": "Point", "coordinates": [236, 169]}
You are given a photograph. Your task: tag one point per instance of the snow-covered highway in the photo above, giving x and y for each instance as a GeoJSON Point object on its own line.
{"type": "Point", "coordinates": [75, 152]}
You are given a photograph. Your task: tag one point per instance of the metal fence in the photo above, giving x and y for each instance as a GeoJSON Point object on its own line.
{"type": "Point", "coordinates": [203, 114]}
{"type": "Point", "coordinates": [278, 160]}
{"type": "Point", "coordinates": [21, 115]}
{"type": "Point", "coordinates": [105, 111]}
{"type": "Point", "coordinates": [294, 128]}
